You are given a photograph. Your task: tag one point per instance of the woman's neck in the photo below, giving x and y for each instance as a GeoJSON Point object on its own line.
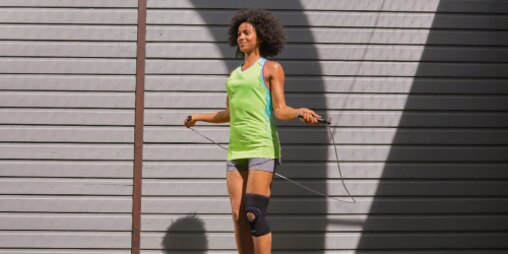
{"type": "Point", "coordinates": [250, 58]}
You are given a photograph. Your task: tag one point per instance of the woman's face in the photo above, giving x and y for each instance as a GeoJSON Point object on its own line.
{"type": "Point", "coordinates": [247, 39]}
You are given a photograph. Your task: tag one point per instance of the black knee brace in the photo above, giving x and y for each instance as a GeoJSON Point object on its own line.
{"type": "Point", "coordinates": [257, 205]}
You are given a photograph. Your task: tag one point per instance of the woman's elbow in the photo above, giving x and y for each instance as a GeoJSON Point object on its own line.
{"type": "Point", "coordinates": [279, 115]}
{"type": "Point", "coordinates": [225, 117]}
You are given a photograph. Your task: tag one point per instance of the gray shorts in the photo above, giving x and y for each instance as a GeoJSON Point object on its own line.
{"type": "Point", "coordinates": [263, 164]}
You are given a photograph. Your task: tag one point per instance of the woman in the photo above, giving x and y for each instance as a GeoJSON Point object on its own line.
{"type": "Point", "coordinates": [255, 96]}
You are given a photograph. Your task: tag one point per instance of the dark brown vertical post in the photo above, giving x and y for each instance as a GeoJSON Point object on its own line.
{"type": "Point", "coordinates": [138, 129]}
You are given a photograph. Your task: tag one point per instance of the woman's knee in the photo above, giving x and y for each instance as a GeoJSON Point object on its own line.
{"type": "Point", "coordinates": [238, 215]}
{"type": "Point", "coordinates": [256, 207]}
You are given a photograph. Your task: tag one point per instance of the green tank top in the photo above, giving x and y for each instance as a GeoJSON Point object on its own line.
{"type": "Point", "coordinates": [253, 133]}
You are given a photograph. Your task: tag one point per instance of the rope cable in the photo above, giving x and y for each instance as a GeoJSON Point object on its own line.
{"type": "Point", "coordinates": [326, 123]}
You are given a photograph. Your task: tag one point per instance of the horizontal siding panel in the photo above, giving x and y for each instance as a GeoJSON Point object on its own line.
{"type": "Point", "coordinates": [62, 222]}
{"type": "Point", "coordinates": [120, 117]}
{"type": "Point", "coordinates": [337, 35]}
{"type": "Point", "coordinates": [43, 239]}
{"type": "Point", "coordinates": [339, 84]}
{"type": "Point", "coordinates": [70, 3]}
{"type": "Point", "coordinates": [394, 36]}
{"type": "Point", "coordinates": [335, 19]}
{"type": "Point", "coordinates": [395, 53]}
{"type": "Point", "coordinates": [78, 169]}
{"type": "Point", "coordinates": [67, 32]}
{"type": "Point", "coordinates": [37, 186]}
{"type": "Point", "coordinates": [188, 188]}
{"type": "Point", "coordinates": [62, 251]}
{"type": "Point", "coordinates": [456, 251]}
{"type": "Point", "coordinates": [489, 6]}
{"type": "Point", "coordinates": [416, 170]}
{"type": "Point", "coordinates": [346, 153]}
{"type": "Point", "coordinates": [334, 68]}
{"type": "Point", "coordinates": [317, 205]}
{"type": "Point", "coordinates": [64, 204]}
{"type": "Point", "coordinates": [185, 83]}
{"type": "Point", "coordinates": [66, 99]}
{"type": "Point", "coordinates": [68, 16]}
{"type": "Point", "coordinates": [67, 66]}
{"type": "Point", "coordinates": [54, 83]}
{"type": "Point", "coordinates": [68, 49]}
{"type": "Point", "coordinates": [181, 152]}
{"type": "Point", "coordinates": [321, 170]}
{"type": "Point", "coordinates": [67, 151]}
{"type": "Point", "coordinates": [337, 223]}
{"type": "Point", "coordinates": [389, 241]}
{"type": "Point", "coordinates": [337, 52]}
{"type": "Point", "coordinates": [341, 135]}
{"type": "Point", "coordinates": [348, 118]}
{"type": "Point", "coordinates": [339, 101]}
{"type": "Point", "coordinates": [66, 134]}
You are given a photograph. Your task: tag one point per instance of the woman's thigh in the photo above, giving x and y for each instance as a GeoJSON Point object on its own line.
{"type": "Point", "coordinates": [250, 176]}
{"type": "Point", "coordinates": [236, 185]}
{"type": "Point", "coordinates": [259, 182]}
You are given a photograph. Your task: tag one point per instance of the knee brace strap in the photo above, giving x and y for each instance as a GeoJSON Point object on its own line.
{"type": "Point", "coordinates": [257, 205]}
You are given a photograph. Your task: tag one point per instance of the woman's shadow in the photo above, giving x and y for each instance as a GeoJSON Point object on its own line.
{"type": "Point", "coordinates": [187, 233]}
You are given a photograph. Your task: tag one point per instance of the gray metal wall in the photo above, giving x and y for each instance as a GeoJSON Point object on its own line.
{"type": "Point", "coordinates": [66, 113]}
{"type": "Point", "coordinates": [416, 91]}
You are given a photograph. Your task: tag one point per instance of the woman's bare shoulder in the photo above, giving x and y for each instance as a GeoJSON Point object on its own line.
{"type": "Point", "coordinates": [273, 68]}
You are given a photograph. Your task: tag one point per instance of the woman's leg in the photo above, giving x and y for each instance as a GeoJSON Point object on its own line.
{"type": "Point", "coordinates": [237, 183]}
{"type": "Point", "coordinates": [259, 183]}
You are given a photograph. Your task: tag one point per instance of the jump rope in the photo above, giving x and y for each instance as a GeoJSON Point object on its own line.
{"type": "Point", "coordinates": [326, 123]}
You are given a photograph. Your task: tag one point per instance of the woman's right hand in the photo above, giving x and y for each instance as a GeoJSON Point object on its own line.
{"type": "Point", "coordinates": [189, 121]}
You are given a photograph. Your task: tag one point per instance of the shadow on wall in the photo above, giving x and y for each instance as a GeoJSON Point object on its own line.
{"type": "Point", "coordinates": [187, 233]}
{"type": "Point", "coordinates": [284, 237]}
{"type": "Point", "coordinates": [444, 184]}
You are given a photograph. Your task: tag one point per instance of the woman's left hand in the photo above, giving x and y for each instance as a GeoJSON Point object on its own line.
{"type": "Point", "coordinates": [308, 116]}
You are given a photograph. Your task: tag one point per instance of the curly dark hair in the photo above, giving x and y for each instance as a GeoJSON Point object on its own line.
{"type": "Point", "coordinates": [268, 29]}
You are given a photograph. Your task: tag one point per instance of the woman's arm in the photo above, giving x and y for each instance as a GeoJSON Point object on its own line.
{"type": "Point", "coordinates": [215, 117]}
{"type": "Point", "coordinates": [274, 77]}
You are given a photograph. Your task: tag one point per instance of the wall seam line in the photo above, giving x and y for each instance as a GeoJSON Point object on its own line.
{"type": "Point", "coordinates": [138, 128]}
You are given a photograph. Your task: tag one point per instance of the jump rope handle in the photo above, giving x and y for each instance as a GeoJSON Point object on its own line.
{"type": "Point", "coordinates": [320, 120]}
